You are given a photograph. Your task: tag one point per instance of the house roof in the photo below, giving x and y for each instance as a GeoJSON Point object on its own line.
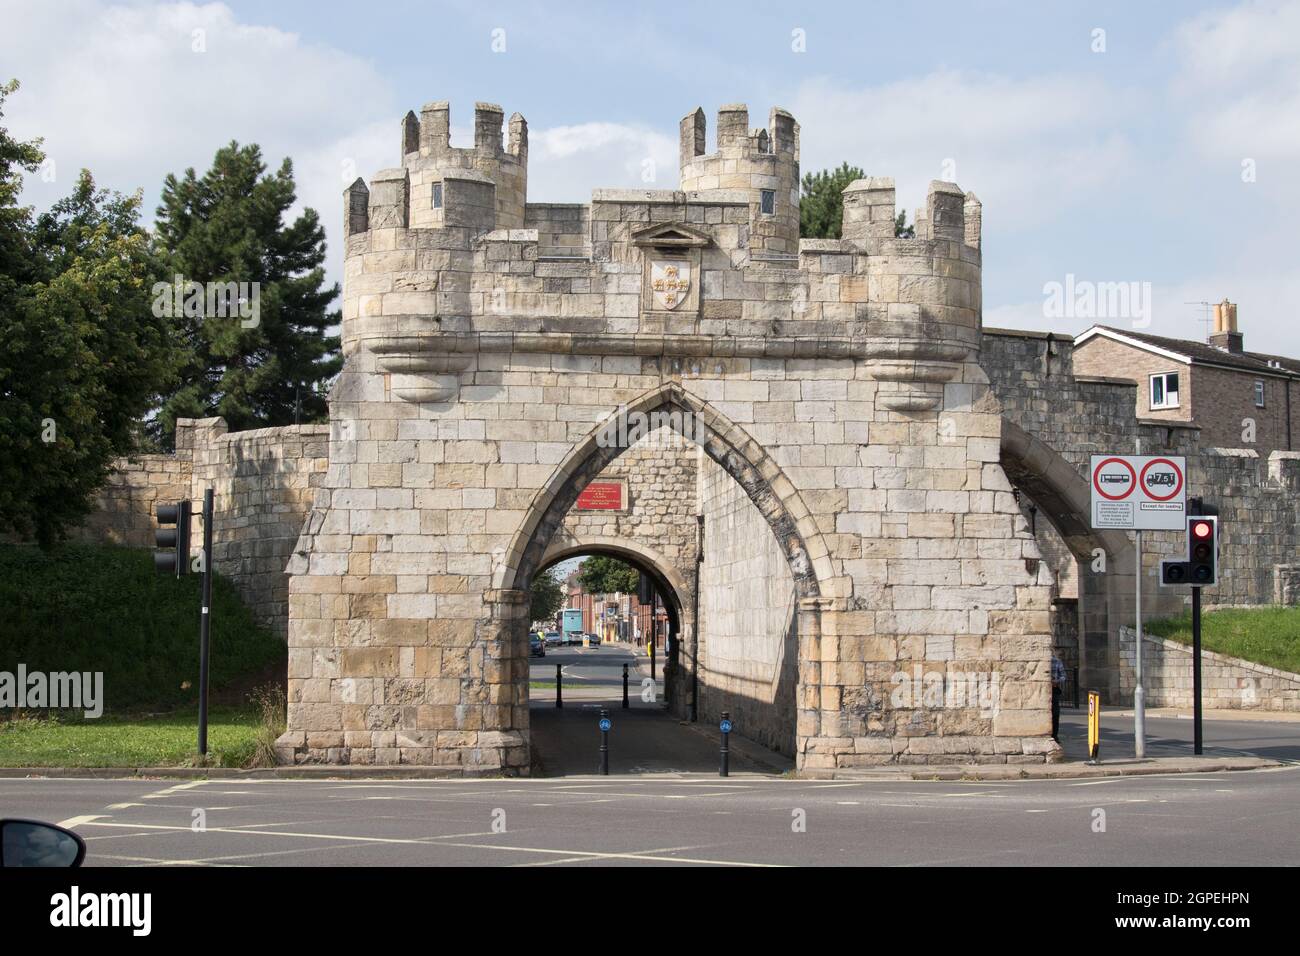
{"type": "Point", "coordinates": [1197, 353]}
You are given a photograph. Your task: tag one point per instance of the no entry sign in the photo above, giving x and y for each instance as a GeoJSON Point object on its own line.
{"type": "Point", "coordinates": [1139, 492]}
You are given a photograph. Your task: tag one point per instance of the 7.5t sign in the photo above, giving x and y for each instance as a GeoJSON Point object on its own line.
{"type": "Point", "coordinates": [1139, 492]}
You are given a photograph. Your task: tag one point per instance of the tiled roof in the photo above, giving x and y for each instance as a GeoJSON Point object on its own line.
{"type": "Point", "coordinates": [1205, 353]}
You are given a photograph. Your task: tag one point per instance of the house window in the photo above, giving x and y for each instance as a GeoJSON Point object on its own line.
{"type": "Point", "coordinates": [767, 202]}
{"type": "Point", "coordinates": [1164, 390]}
{"type": "Point", "coordinates": [1259, 394]}
{"type": "Point", "coordinates": [437, 195]}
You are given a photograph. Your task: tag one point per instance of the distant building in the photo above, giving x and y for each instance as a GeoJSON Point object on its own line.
{"type": "Point", "coordinates": [1238, 399]}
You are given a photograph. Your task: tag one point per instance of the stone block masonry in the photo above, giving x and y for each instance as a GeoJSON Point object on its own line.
{"type": "Point", "coordinates": [263, 482]}
{"type": "Point", "coordinates": [836, 383]}
{"type": "Point", "coordinates": [1227, 683]}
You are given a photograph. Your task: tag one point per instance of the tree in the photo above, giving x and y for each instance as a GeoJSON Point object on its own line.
{"type": "Point", "coordinates": [547, 596]}
{"type": "Point", "coordinates": [228, 226]}
{"type": "Point", "coordinates": [600, 574]}
{"type": "Point", "coordinates": [82, 356]}
{"type": "Point", "coordinates": [821, 208]}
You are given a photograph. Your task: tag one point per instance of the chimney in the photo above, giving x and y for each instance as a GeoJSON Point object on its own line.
{"type": "Point", "coordinates": [1225, 335]}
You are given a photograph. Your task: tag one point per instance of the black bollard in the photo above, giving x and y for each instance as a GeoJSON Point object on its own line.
{"type": "Point", "coordinates": [605, 724]}
{"type": "Point", "coordinates": [625, 703]}
{"type": "Point", "coordinates": [559, 687]}
{"type": "Point", "coordinates": [724, 754]}
{"type": "Point", "coordinates": [652, 658]}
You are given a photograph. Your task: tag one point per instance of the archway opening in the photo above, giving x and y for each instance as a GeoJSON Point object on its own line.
{"type": "Point", "coordinates": [725, 551]}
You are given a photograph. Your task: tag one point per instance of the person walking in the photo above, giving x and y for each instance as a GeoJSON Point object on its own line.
{"type": "Point", "coordinates": [1058, 687]}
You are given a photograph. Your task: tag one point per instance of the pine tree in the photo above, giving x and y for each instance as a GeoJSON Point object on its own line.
{"type": "Point", "coordinates": [228, 226]}
{"type": "Point", "coordinates": [821, 208]}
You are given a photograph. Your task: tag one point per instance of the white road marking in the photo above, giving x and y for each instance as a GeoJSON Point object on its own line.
{"type": "Point", "coordinates": [79, 821]}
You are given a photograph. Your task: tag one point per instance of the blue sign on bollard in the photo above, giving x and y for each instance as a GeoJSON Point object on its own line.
{"type": "Point", "coordinates": [606, 723]}
{"type": "Point", "coordinates": [725, 726]}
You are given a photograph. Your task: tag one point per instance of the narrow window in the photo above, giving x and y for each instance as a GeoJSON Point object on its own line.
{"type": "Point", "coordinates": [767, 202]}
{"type": "Point", "coordinates": [1259, 394]}
{"type": "Point", "coordinates": [1164, 390]}
{"type": "Point", "coordinates": [437, 195]}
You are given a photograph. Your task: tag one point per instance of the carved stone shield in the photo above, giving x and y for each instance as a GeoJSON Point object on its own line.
{"type": "Point", "coordinates": [670, 281]}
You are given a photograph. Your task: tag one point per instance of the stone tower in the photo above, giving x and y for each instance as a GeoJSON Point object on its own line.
{"type": "Point", "coordinates": [761, 166]}
{"type": "Point", "coordinates": [836, 383]}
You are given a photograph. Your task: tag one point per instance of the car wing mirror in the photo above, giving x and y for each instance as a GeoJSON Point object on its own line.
{"type": "Point", "coordinates": [33, 843]}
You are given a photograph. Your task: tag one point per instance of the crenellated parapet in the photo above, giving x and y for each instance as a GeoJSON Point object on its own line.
{"type": "Point", "coordinates": [762, 163]}
{"type": "Point", "coordinates": [439, 267]}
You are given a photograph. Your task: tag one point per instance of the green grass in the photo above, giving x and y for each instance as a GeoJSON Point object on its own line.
{"type": "Point", "coordinates": [97, 608]}
{"type": "Point", "coordinates": [1265, 635]}
{"type": "Point", "coordinates": [155, 740]}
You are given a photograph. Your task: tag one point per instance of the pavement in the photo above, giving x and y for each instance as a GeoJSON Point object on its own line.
{"type": "Point", "coordinates": [1250, 818]}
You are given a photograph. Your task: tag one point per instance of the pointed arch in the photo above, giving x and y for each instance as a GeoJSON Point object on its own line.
{"type": "Point", "coordinates": [736, 452]}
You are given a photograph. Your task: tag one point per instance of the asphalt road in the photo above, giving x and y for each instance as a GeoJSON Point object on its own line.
{"type": "Point", "coordinates": [1245, 818]}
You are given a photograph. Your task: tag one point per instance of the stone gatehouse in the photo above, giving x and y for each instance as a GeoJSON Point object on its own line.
{"type": "Point", "coordinates": [857, 524]}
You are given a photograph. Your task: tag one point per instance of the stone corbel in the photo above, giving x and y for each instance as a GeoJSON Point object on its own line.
{"type": "Point", "coordinates": [418, 375]}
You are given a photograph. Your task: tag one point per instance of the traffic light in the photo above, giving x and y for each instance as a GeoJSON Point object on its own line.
{"type": "Point", "coordinates": [1202, 550]}
{"type": "Point", "coordinates": [1173, 573]}
{"type": "Point", "coordinates": [173, 554]}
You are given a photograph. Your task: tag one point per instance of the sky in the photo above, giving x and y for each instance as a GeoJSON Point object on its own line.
{"type": "Point", "coordinates": [1154, 143]}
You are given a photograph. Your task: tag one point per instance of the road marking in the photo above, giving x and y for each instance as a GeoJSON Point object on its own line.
{"type": "Point", "coordinates": [159, 794]}
{"type": "Point", "coordinates": [593, 855]}
{"type": "Point", "coordinates": [848, 803]}
{"type": "Point", "coordinates": [122, 806]}
{"type": "Point", "coordinates": [78, 821]}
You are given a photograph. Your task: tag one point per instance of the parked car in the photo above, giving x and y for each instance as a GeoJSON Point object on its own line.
{"type": "Point", "coordinates": [593, 640]}
{"type": "Point", "coordinates": [553, 639]}
{"type": "Point", "coordinates": [536, 646]}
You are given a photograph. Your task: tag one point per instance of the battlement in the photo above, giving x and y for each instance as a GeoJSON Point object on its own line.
{"type": "Point", "coordinates": [762, 162]}
{"type": "Point", "coordinates": [949, 213]}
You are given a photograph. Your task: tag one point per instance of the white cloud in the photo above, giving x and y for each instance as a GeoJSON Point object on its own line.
{"type": "Point", "coordinates": [1030, 148]}
{"type": "Point", "coordinates": [566, 162]}
{"type": "Point", "coordinates": [129, 97]}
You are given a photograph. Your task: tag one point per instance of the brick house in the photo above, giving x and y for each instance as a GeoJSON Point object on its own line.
{"type": "Point", "coordinates": [1217, 385]}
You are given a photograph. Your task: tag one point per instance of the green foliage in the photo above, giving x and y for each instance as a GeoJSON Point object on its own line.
{"type": "Point", "coordinates": [547, 596]}
{"type": "Point", "coordinates": [821, 207]}
{"type": "Point", "coordinates": [1265, 635]}
{"type": "Point", "coordinates": [601, 574]}
{"type": "Point", "coordinates": [228, 226]}
{"type": "Point", "coordinates": [152, 740]}
{"type": "Point", "coordinates": [82, 357]}
{"type": "Point", "coordinates": [94, 608]}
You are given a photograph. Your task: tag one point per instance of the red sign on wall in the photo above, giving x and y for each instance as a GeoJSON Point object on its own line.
{"type": "Point", "coordinates": [603, 496]}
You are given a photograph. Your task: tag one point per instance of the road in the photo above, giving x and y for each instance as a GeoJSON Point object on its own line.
{"type": "Point", "coordinates": [1246, 818]}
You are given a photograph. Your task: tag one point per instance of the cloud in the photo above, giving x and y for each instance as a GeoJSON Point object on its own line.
{"type": "Point", "coordinates": [1239, 81]}
{"type": "Point", "coordinates": [566, 162]}
{"type": "Point", "coordinates": [140, 91]}
{"type": "Point", "coordinates": [1030, 148]}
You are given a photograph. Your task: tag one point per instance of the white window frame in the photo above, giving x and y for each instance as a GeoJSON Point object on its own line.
{"type": "Point", "coordinates": [766, 192]}
{"type": "Point", "coordinates": [1151, 391]}
{"type": "Point", "coordinates": [1259, 393]}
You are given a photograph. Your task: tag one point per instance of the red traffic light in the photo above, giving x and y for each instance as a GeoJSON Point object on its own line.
{"type": "Point", "coordinates": [1202, 529]}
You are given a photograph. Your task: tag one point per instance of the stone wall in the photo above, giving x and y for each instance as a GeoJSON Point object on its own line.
{"type": "Point", "coordinates": [1227, 683]}
{"type": "Point", "coordinates": [660, 471]}
{"type": "Point", "coordinates": [748, 651]}
{"type": "Point", "coordinates": [262, 482]}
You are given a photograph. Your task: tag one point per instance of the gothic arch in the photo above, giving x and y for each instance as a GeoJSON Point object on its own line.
{"type": "Point", "coordinates": [744, 459]}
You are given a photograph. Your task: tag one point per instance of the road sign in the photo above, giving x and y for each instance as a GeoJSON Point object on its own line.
{"type": "Point", "coordinates": [606, 723]}
{"type": "Point", "coordinates": [1139, 492]}
{"type": "Point", "coordinates": [725, 726]}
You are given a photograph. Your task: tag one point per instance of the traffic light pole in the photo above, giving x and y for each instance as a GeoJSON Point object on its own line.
{"type": "Point", "coordinates": [1139, 695]}
{"type": "Point", "coordinates": [205, 620]}
{"type": "Point", "coordinates": [1196, 671]}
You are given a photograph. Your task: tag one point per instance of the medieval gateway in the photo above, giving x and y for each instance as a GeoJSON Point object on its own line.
{"type": "Point", "coordinates": [816, 408]}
